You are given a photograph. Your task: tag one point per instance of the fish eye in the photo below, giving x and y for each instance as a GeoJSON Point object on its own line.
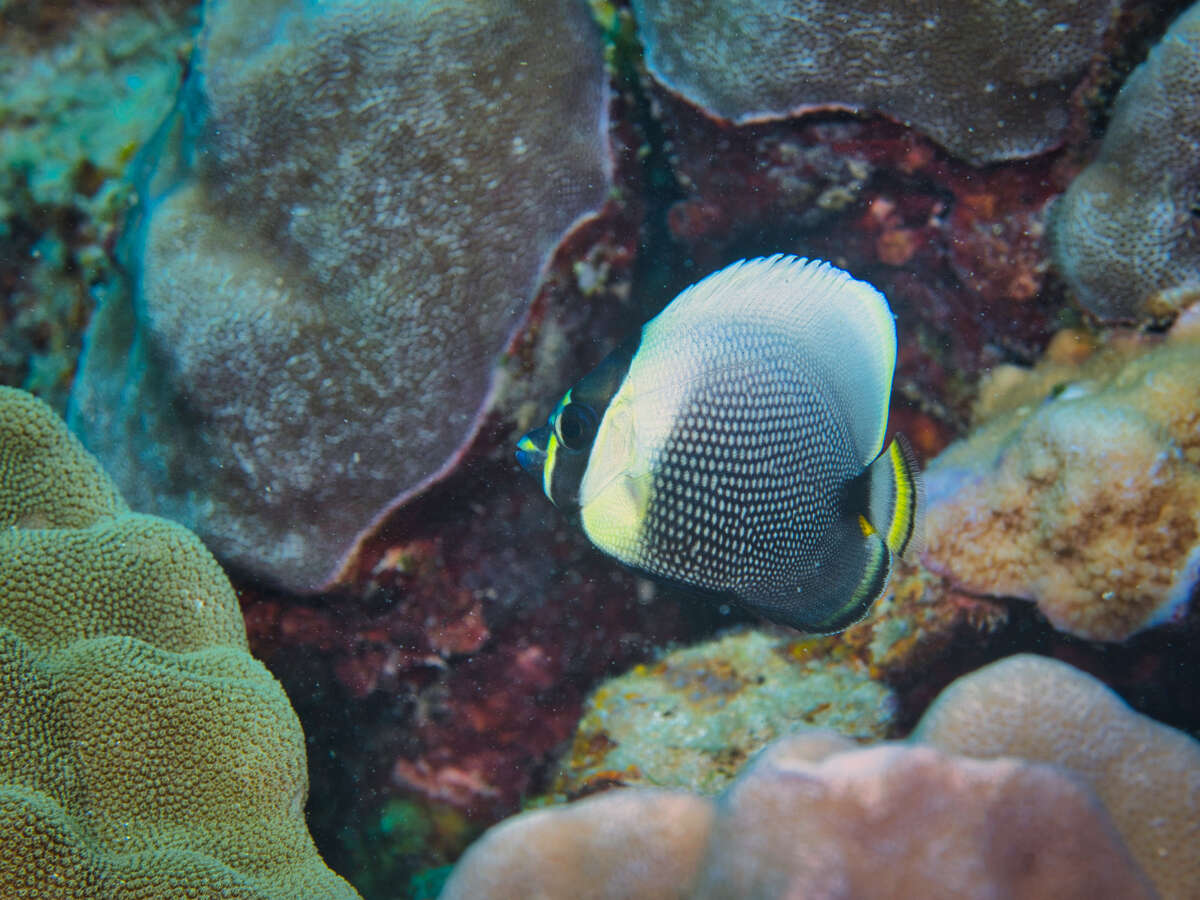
{"type": "Point", "coordinates": [576, 426]}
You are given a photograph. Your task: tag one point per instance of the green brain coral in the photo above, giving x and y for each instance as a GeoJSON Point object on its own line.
{"type": "Point", "coordinates": [143, 752]}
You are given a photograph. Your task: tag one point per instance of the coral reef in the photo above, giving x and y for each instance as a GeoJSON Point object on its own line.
{"type": "Point", "coordinates": [989, 81]}
{"type": "Point", "coordinates": [341, 228]}
{"type": "Point", "coordinates": [1126, 235]}
{"type": "Point", "coordinates": [813, 817]}
{"type": "Point", "coordinates": [143, 752]}
{"type": "Point", "coordinates": [1027, 778]}
{"type": "Point", "coordinates": [1146, 774]}
{"type": "Point", "coordinates": [355, 204]}
{"type": "Point", "coordinates": [1081, 489]}
{"type": "Point", "coordinates": [75, 103]}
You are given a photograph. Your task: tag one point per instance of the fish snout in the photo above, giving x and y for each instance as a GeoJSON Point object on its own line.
{"type": "Point", "coordinates": [531, 450]}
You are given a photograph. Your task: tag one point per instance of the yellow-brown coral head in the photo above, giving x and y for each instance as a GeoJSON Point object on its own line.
{"type": "Point", "coordinates": [144, 754]}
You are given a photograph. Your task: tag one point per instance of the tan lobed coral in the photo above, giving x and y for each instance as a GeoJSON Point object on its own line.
{"type": "Point", "coordinates": [143, 752]}
{"type": "Point", "coordinates": [341, 229]}
{"type": "Point", "coordinates": [1146, 774]}
{"type": "Point", "coordinates": [813, 816]}
{"type": "Point", "coordinates": [1126, 234]}
{"type": "Point", "coordinates": [1080, 489]}
{"type": "Point", "coordinates": [987, 80]}
{"type": "Point", "coordinates": [1026, 779]}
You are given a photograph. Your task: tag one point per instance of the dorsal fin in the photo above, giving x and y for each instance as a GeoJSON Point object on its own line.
{"type": "Point", "coordinates": [844, 327]}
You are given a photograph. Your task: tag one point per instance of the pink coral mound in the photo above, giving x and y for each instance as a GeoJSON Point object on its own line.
{"type": "Point", "coordinates": [815, 817]}
{"type": "Point", "coordinates": [894, 821]}
{"type": "Point", "coordinates": [1146, 774]}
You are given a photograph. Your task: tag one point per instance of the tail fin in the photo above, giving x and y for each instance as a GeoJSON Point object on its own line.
{"type": "Point", "coordinates": [896, 498]}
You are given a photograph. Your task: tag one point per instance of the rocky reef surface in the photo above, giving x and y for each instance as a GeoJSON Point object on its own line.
{"type": "Point", "coordinates": [330, 292]}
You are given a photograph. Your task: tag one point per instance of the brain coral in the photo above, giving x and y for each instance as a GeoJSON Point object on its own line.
{"type": "Point", "coordinates": [1082, 491]}
{"type": "Point", "coordinates": [340, 231]}
{"type": "Point", "coordinates": [1126, 234]}
{"type": "Point", "coordinates": [988, 80]}
{"type": "Point", "coordinates": [1146, 774]}
{"type": "Point", "coordinates": [815, 817]}
{"type": "Point", "coordinates": [143, 752]}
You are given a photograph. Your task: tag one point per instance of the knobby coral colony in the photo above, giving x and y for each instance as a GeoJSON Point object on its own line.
{"type": "Point", "coordinates": [146, 753]}
{"type": "Point", "coordinates": [1125, 234]}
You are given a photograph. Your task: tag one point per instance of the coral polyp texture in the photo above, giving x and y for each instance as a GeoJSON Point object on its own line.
{"type": "Point", "coordinates": [989, 81]}
{"type": "Point", "coordinates": [694, 717]}
{"type": "Point", "coordinates": [340, 230]}
{"type": "Point", "coordinates": [1126, 234]}
{"type": "Point", "coordinates": [1027, 778]}
{"type": "Point", "coordinates": [144, 753]}
{"type": "Point", "coordinates": [1080, 487]}
{"type": "Point", "coordinates": [813, 816]}
{"type": "Point", "coordinates": [1146, 774]}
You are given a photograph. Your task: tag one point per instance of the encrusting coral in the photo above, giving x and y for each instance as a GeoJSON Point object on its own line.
{"type": "Point", "coordinates": [341, 229]}
{"type": "Point", "coordinates": [1126, 234]}
{"type": "Point", "coordinates": [1080, 489]}
{"type": "Point", "coordinates": [989, 81]}
{"type": "Point", "coordinates": [694, 717]}
{"type": "Point", "coordinates": [144, 753]}
{"type": "Point", "coordinates": [1025, 779]}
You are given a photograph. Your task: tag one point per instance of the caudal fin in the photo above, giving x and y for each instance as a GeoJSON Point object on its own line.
{"type": "Point", "coordinates": [896, 498]}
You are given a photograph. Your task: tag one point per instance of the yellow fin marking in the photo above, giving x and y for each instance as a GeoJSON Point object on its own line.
{"type": "Point", "coordinates": [901, 526]}
{"type": "Point", "coordinates": [865, 527]}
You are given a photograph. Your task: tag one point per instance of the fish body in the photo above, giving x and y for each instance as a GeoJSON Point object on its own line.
{"type": "Point", "coordinates": [735, 445]}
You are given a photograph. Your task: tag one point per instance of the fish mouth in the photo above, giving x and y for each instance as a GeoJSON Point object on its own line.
{"type": "Point", "coordinates": [531, 450]}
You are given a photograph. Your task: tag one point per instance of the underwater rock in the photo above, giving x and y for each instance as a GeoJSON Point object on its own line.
{"type": "Point", "coordinates": [815, 816]}
{"type": "Point", "coordinates": [692, 719]}
{"type": "Point", "coordinates": [145, 753]}
{"type": "Point", "coordinates": [1126, 235]}
{"type": "Point", "coordinates": [1079, 489]}
{"type": "Point", "coordinates": [1146, 774]}
{"type": "Point", "coordinates": [82, 86]}
{"type": "Point", "coordinates": [989, 81]}
{"type": "Point", "coordinates": [340, 231]}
